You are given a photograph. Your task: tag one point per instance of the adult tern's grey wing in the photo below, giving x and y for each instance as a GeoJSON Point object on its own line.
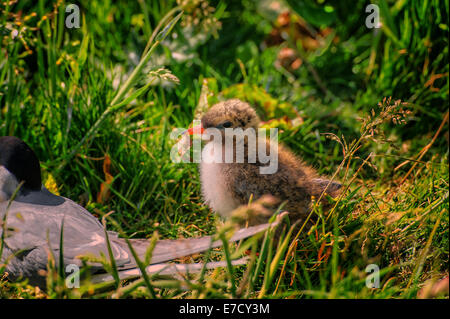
{"type": "Point", "coordinates": [34, 230]}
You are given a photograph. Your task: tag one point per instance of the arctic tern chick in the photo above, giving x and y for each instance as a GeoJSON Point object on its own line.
{"type": "Point", "coordinates": [227, 185]}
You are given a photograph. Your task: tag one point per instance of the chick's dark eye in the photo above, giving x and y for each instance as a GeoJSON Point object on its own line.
{"type": "Point", "coordinates": [227, 124]}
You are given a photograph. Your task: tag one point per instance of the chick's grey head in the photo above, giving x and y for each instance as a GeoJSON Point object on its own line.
{"type": "Point", "coordinates": [231, 114]}
{"type": "Point", "coordinates": [18, 163]}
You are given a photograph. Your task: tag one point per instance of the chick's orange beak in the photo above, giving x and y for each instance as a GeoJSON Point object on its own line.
{"type": "Point", "coordinates": [195, 130]}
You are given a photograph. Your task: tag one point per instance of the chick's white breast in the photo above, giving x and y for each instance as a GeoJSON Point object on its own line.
{"type": "Point", "coordinates": [214, 183]}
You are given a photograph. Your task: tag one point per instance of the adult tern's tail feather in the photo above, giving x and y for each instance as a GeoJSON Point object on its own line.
{"type": "Point", "coordinates": [170, 249]}
{"type": "Point", "coordinates": [176, 270]}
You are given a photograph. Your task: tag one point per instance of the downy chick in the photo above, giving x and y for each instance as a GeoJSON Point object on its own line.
{"type": "Point", "coordinates": [226, 186]}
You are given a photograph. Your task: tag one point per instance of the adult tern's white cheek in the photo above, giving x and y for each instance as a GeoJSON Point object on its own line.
{"type": "Point", "coordinates": [8, 184]}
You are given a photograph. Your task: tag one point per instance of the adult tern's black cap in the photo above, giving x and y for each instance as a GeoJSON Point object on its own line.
{"type": "Point", "coordinates": [20, 160]}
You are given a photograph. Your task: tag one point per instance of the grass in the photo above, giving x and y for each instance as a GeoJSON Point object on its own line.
{"type": "Point", "coordinates": [102, 132]}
